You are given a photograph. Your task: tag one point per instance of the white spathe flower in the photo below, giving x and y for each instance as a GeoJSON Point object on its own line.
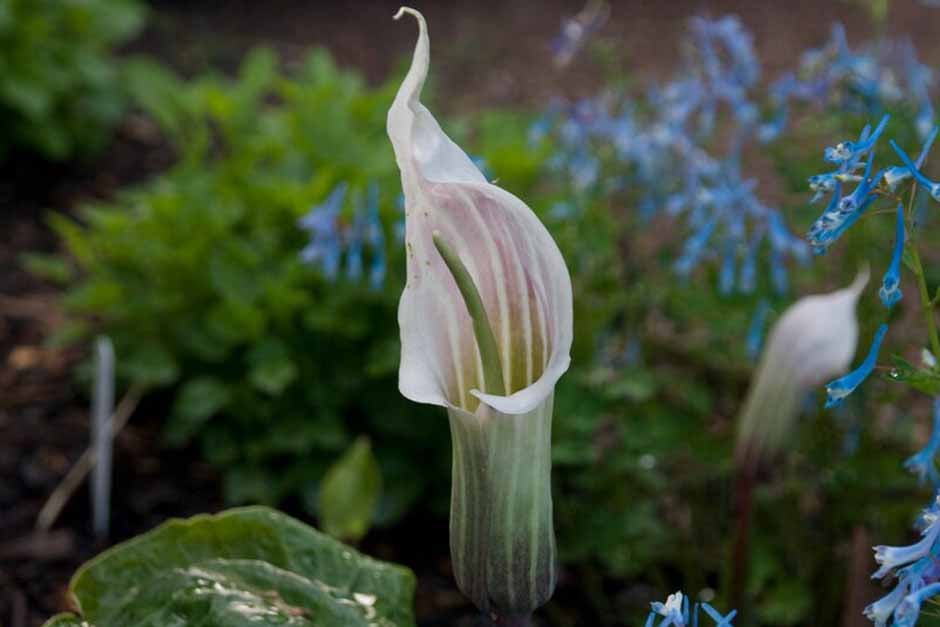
{"type": "Point", "coordinates": [814, 340]}
{"type": "Point", "coordinates": [513, 261]}
{"type": "Point", "coordinates": [486, 324]}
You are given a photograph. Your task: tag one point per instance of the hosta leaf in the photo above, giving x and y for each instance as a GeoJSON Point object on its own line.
{"type": "Point", "coordinates": [248, 566]}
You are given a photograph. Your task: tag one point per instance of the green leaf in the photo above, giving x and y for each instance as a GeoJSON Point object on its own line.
{"type": "Point", "coordinates": [197, 401]}
{"type": "Point", "coordinates": [48, 267]}
{"type": "Point", "coordinates": [907, 258]}
{"type": "Point", "coordinates": [150, 364]}
{"type": "Point", "coordinates": [271, 367]}
{"type": "Point", "coordinates": [925, 380]}
{"type": "Point", "coordinates": [249, 566]}
{"type": "Point", "coordinates": [350, 491]}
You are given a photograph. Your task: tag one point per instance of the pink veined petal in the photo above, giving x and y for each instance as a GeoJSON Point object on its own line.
{"type": "Point", "coordinates": [515, 264]}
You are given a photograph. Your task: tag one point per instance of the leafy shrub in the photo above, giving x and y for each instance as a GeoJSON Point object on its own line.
{"type": "Point", "coordinates": [60, 93]}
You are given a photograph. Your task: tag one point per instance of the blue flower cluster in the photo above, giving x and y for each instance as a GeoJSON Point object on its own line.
{"type": "Point", "coordinates": [675, 613]}
{"type": "Point", "coordinates": [331, 237]}
{"type": "Point", "coordinates": [671, 146]}
{"type": "Point", "coordinates": [664, 149]}
{"type": "Point", "coordinates": [845, 209]}
{"type": "Point", "coordinates": [917, 569]}
{"type": "Point", "coordinates": [865, 81]}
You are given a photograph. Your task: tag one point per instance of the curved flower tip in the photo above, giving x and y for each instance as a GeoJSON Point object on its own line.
{"type": "Point", "coordinates": [819, 333]}
{"type": "Point", "coordinates": [509, 255]}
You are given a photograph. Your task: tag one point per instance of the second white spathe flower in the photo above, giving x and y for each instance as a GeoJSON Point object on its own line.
{"type": "Point", "coordinates": [814, 340]}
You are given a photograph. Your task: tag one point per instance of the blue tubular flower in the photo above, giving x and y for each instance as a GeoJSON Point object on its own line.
{"type": "Point", "coordinates": [747, 278]}
{"type": "Point", "coordinates": [720, 621]}
{"type": "Point", "coordinates": [353, 255]}
{"type": "Point", "coordinates": [844, 151]}
{"type": "Point", "coordinates": [890, 558]}
{"type": "Point", "coordinates": [923, 463]}
{"type": "Point", "coordinates": [854, 200]}
{"type": "Point", "coordinates": [825, 223]}
{"type": "Point", "coordinates": [843, 224]}
{"type": "Point", "coordinates": [374, 236]}
{"type": "Point", "coordinates": [322, 222]}
{"type": "Point", "coordinates": [932, 186]}
{"type": "Point", "coordinates": [826, 182]}
{"type": "Point", "coordinates": [726, 275]}
{"type": "Point", "coordinates": [890, 291]}
{"type": "Point", "coordinates": [895, 175]}
{"type": "Point", "coordinates": [675, 611]}
{"type": "Point", "coordinates": [924, 120]}
{"type": "Point", "coordinates": [694, 248]}
{"type": "Point", "coordinates": [919, 78]}
{"type": "Point", "coordinates": [755, 333]}
{"type": "Point", "coordinates": [881, 610]}
{"type": "Point", "coordinates": [908, 610]}
{"type": "Point", "coordinates": [842, 213]}
{"type": "Point", "coordinates": [837, 390]}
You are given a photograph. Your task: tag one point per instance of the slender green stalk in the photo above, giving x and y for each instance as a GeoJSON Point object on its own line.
{"type": "Point", "coordinates": [925, 300]}
{"type": "Point", "coordinates": [918, 267]}
{"type": "Point", "coordinates": [482, 329]}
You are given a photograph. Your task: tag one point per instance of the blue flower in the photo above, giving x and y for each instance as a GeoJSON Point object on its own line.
{"type": "Point", "coordinates": [720, 621]}
{"type": "Point", "coordinates": [932, 186]}
{"type": "Point", "coordinates": [374, 237]}
{"type": "Point", "coordinates": [854, 200]}
{"type": "Point", "coordinates": [923, 462]}
{"type": "Point", "coordinates": [890, 558]}
{"type": "Point", "coordinates": [826, 182]}
{"type": "Point", "coordinates": [755, 333]}
{"type": "Point", "coordinates": [675, 610]}
{"type": "Point", "coordinates": [881, 610]}
{"type": "Point", "coordinates": [890, 291]}
{"type": "Point", "coordinates": [908, 610]}
{"type": "Point", "coordinates": [839, 216]}
{"type": "Point", "coordinates": [726, 274]}
{"type": "Point", "coordinates": [847, 150]}
{"type": "Point", "coordinates": [837, 390]}
{"type": "Point", "coordinates": [747, 278]}
{"type": "Point", "coordinates": [322, 222]}
{"type": "Point", "coordinates": [694, 248]}
{"type": "Point", "coordinates": [896, 174]}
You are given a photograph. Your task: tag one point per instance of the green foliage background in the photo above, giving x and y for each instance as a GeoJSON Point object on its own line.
{"type": "Point", "coordinates": [60, 88]}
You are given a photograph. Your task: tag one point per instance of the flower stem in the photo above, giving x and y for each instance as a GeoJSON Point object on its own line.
{"type": "Point", "coordinates": [918, 267]}
{"type": "Point", "coordinates": [925, 300]}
